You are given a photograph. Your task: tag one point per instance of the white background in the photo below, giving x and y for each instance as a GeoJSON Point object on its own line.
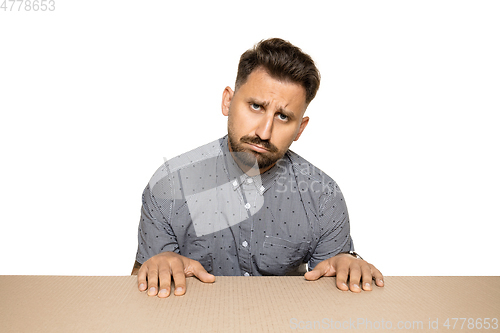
{"type": "Point", "coordinates": [94, 94]}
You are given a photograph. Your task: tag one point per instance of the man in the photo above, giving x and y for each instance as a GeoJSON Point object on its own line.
{"type": "Point", "coordinates": [245, 204]}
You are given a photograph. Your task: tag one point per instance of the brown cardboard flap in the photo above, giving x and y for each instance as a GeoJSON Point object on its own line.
{"type": "Point", "coordinates": [246, 304]}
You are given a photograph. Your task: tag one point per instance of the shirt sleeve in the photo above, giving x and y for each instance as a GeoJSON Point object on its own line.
{"type": "Point", "coordinates": [155, 232]}
{"type": "Point", "coordinates": [334, 230]}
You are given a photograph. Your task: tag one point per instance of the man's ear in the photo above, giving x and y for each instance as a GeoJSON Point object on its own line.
{"type": "Point", "coordinates": [227, 96]}
{"type": "Point", "coordinates": [302, 126]}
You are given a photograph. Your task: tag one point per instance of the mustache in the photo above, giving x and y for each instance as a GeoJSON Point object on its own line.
{"type": "Point", "coordinates": [258, 141]}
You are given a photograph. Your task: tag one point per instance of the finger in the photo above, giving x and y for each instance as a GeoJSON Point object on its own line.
{"type": "Point", "coordinates": [377, 275]}
{"type": "Point", "coordinates": [141, 278]}
{"type": "Point", "coordinates": [201, 273]}
{"type": "Point", "coordinates": [152, 281]}
{"type": "Point", "coordinates": [342, 274]}
{"type": "Point", "coordinates": [165, 280]}
{"type": "Point", "coordinates": [366, 276]}
{"type": "Point", "coordinates": [354, 277]}
{"type": "Point", "coordinates": [177, 268]}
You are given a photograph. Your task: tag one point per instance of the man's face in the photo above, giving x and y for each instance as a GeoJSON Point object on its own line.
{"type": "Point", "coordinates": [264, 117]}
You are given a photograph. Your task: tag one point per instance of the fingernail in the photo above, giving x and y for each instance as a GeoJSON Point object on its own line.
{"type": "Point", "coordinates": [381, 281]}
{"type": "Point", "coordinates": [152, 290]}
{"type": "Point", "coordinates": [142, 286]}
{"type": "Point", "coordinates": [367, 285]}
{"type": "Point", "coordinates": [356, 286]}
{"type": "Point", "coordinates": [162, 292]}
{"type": "Point", "coordinates": [178, 290]}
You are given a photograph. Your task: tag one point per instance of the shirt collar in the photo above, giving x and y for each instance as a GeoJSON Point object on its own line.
{"type": "Point", "coordinates": [237, 177]}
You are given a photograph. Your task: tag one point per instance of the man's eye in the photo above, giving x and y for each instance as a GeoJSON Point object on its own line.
{"type": "Point", "coordinates": [255, 107]}
{"type": "Point", "coordinates": [281, 116]}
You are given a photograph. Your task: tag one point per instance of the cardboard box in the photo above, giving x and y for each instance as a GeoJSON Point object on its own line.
{"type": "Point", "coordinates": [248, 304]}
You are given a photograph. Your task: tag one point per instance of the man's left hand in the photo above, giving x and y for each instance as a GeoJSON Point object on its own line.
{"type": "Point", "coordinates": [345, 266]}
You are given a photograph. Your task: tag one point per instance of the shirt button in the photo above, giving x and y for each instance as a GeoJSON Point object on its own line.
{"type": "Point", "coordinates": [262, 188]}
{"type": "Point", "coordinates": [249, 180]}
{"type": "Point", "coordinates": [245, 243]}
{"type": "Point", "coordinates": [246, 274]}
{"type": "Point", "coordinates": [235, 183]}
{"type": "Point", "coordinates": [247, 205]}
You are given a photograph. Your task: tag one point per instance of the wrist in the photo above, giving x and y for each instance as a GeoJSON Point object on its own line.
{"type": "Point", "coordinates": [352, 253]}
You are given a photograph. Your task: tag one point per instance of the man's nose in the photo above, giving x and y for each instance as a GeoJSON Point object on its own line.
{"type": "Point", "coordinates": [265, 127]}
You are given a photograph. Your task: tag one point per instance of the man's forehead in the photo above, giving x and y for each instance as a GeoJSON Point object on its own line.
{"type": "Point", "coordinates": [261, 72]}
{"type": "Point", "coordinates": [264, 89]}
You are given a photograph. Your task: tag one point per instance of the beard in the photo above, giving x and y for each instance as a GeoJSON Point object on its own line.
{"type": "Point", "coordinates": [251, 158]}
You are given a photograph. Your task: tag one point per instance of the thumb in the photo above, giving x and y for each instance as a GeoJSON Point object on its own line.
{"type": "Point", "coordinates": [322, 269]}
{"type": "Point", "coordinates": [200, 272]}
{"type": "Point", "coordinates": [313, 275]}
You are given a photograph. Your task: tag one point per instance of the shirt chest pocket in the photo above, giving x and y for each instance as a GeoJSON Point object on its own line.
{"type": "Point", "coordinates": [280, 256]}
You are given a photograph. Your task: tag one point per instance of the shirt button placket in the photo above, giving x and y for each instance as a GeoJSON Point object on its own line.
{"type": "Point", "coordinates": [245, 240]}
{"type": "Point", "coordinates": [244, 252]}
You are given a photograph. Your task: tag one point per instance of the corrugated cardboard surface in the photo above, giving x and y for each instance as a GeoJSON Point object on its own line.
{"type": "Point", "coordinates": [247, 304]}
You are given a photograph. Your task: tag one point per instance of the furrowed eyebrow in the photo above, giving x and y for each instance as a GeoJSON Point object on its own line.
{"type": "Point", "coordinates": [287, 113]}
{"type": "Point", "coordinates": [284, 111]}
{"type": "Point", "coordinates": [255, 101]}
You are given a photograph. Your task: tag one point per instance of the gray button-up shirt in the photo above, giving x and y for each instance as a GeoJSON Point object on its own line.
{"type": "Point", "coordinates": [203, 206]}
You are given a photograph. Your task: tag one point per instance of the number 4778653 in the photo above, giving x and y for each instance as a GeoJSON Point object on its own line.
{"type": "Point", "coordinates": [28, 5]}
{"type": "Point", "coordinates": [471, 323]}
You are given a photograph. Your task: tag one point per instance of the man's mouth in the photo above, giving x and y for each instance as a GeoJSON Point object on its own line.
{"type": "Point", "coordinates": [258, 148]}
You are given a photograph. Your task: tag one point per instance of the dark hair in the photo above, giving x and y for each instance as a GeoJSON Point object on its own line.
{"type": "Point", "coordinates": [283, 61]}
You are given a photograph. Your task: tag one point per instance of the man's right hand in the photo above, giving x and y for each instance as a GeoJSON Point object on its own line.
{"type": "Point", "coordinates": [165, 266]}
